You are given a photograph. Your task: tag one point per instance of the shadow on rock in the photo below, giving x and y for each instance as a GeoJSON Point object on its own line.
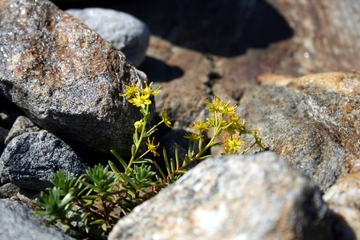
{"type": "Point", "coordinates": [340, 227]}
{"type": "Point", "coordinates": [227, 28]}
{"type": "Point", "coordinates": [158, 71]}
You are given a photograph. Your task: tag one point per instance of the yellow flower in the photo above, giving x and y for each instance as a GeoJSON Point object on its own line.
{"type": "Point", "coordinates": [148, 91]}
{"type": "Point", "coordinates": [219, 106]}
{"type": "Point", "coordinates": [214, 105]}
{"type": "Point", "coordinates": [213, 120]}
{"type": "Point", "coordinates": [140, 100]}
{"type": "Point", "coordinates": [166, 119]}
{"type": "Point", "coordinates": [232, 145]}
{"type": "Point", "coordinates": [193, 137]}
{"type": "Point", "coordinates": [130, 91]}
{"type": "Point", "coordinates": [234, 124]}
{"type": "Point", "coordinates": [152, 147]}
{"type": "Point", "coordinates": [200, 126]}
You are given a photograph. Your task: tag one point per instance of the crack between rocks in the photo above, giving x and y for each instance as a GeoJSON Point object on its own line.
{"type": "Point", "coordinates": [212, 76]}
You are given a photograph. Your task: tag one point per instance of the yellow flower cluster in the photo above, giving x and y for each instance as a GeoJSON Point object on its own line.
{"type": "Point", "coordinates": [140, 97]}
{"type": "Point", "coordinates": [223, 121]}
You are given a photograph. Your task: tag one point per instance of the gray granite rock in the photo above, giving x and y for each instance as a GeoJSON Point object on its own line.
{"type": "Point", "coordinates": [19, 222]}
{"type": "Point", "coordinates": [312, 121]}
{"type": "Point", "coordinates": [251, 197]}
{"type": "Point", "coordinates": [125, 32]}
{"type": "Point", "coordinates": [8, 190]}
{"type": "Point", "coordinates": [21, 125]}
{"type": "Point", "coordinates": [30, 160]}
{"type": "Point", "coordinates": [64, 76]}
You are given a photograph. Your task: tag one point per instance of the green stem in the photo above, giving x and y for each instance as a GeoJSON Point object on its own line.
{"type": "Point", "coordinates": [159, 169]}
{"type": "Point", "coordinates": [137, 145]}
{"type": "Point", "coordinates": [247, 149]}
{"type": "Point", "coordinates": [217, 131]}
{"type": "Point", "coordinates": [142, 155]}
{"type": "Point", "coordinates": [155, 126]}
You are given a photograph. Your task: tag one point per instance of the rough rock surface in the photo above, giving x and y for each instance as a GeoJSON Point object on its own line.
{"type": "Point", "coordinates": [313, 122]}
{"type": "Point", "coordinates": [325, 34]}
{"type": "Point", "coordinates": [236, 42]}
{"type": "Point", "coordinates": [343, 198]}
{"type": "Point", "coordinates": [20, 223]}
{"type": "Point", "coordinates": [21, 125]}
{"type": "Point", "coordinates": [8, 190]}
{"type": "Point", "coordinates": [251, 197]}
{"type": "Point", "coordinates": [64, 76]}
{"type": "Point", "coordinates": [125, 32]}
{"type": "Point", "coordinates": [30, 160]}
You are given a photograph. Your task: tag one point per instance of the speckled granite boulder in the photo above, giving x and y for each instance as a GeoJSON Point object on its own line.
{"type": "Point", "coordinates": [312, 121]}
{"type": "Point", "coordinates": [19, 222]}
{"type": "Point", "coordinates": [64, 76]}
{"type": "Point", "coordinates": [251, 197]}
{"type": "Point", "coordinates": [31, 159]}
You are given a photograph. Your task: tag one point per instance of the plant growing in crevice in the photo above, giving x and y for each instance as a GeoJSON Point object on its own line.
{"type": "Point", "coordinates": [91, 204]}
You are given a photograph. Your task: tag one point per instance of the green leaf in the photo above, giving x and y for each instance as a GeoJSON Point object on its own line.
{"type": "Point", "coordinates": [186, 160]}
{"type": "Point", "coordinates": [123, 163]}
{"type": "Point", "coordinates": [141, 161]}
{"type": "Point", "coordinates": [177, 156]}
{"type": "Point", "coordinates": [113, 167]}
{"type": "Point", "coordinates": [128, 179]}
{"type": "Point", "coordinates": [68, 197]}
{"type": "Point", "coordinates": [166, 160]}
{"type": "Point", "coordinates": [205, 157]}
{"type": "Point", "coordinates": [135, 136]}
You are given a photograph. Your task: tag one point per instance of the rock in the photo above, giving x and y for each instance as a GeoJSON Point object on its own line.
{"type": "Point", "coordinates": [21, 125]}
{"type": "Point", "coordinates": [327, 43]}
{"type": "Point", "coordinates": [65, 77]}
{"type": "Point", "coordinates": [3, 133]}
{"type": "Point", "coordinates": [30, 160]}
{"type": "Point", "coordinates": [20, 223]}
{"type": "Point", "coordinates": [190, 43]}
{"type": "Point", "coordinates": [343, 198]}
{"type": "Point", "coordinates": [184, 97]}
{"type": "Point", "coordinates": [250, 197]}
{"type": "Point", "coordinates": [8, 190]}
{"type": "Point", "coordinates": [125, 32]}
{"type": "Point", "coordinates": [260, 37]}
{"type": "Point", "coordinates": [313, 122]}
{"type": "Point", "coordinates": [8, 113]}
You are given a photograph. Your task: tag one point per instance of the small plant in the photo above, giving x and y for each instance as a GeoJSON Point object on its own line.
{"type": "Point", "coordinates": [91, 204]}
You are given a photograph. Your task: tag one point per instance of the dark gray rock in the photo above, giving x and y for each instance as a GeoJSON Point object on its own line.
{"type": "Point", "coordinates": [65, 77]}
{"type": "Point", "coordinates": [125, 32]}
{"type": "Point", "coordinates": [3, 133]}
{"type": "Point", "coordinates": [313, 122]}
{"type": "Point", "coordinates": [21, 125]}
{"type": "Point", "coordinates": [250, 197]}
{"type": "Point", "coordinates": [19, 222]}
{"type": "Point", "coordinates": [30, 160]}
